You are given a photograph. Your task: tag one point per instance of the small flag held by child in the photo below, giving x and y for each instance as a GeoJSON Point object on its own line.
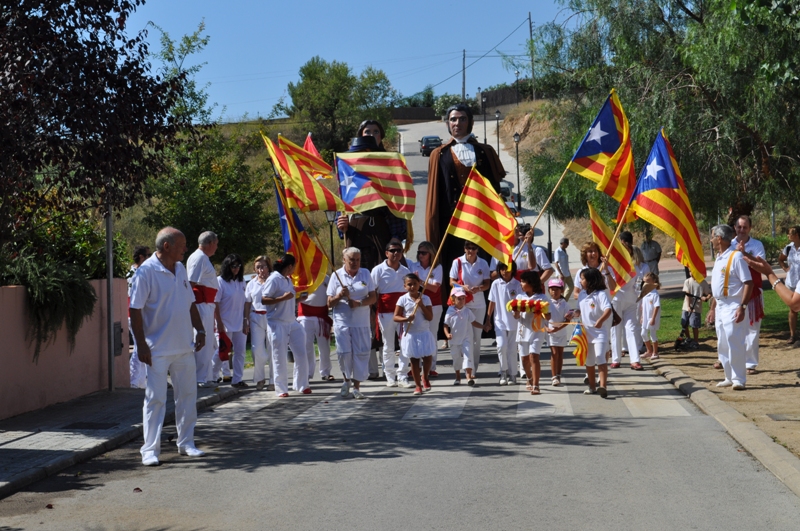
{"type": "Point", "coordinates": [581, 345]}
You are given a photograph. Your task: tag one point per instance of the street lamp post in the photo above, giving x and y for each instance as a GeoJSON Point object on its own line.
{"type": "Point", "coordinates": [483, 110]}
{"type": "Point", "coordinates": [519, 188]}
{"type": "Point", "coordinates": [331, 215]}
{"type": "Point", "coordinates": [497, 116]}
{"type": "Point", "coordinates": [516, 85]}
{"type": "Point", "coordinates": [549, 243]}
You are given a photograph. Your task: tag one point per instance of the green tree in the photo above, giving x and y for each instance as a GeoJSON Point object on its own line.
{"type": "Point", "coordinates": [333, 101]}
{"type": "Point", "coordinates": [218, 180]}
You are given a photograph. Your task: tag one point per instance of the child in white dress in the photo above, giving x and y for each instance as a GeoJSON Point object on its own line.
{"type": "Point", "coordinates": [595, 309]}
{"type": "Point", "coordinates": [417, 341]}
{"type": "Point", "coordinates": [651, 315]}
{"type": "Point", "coordinates": [457, 322]}
{"type": "Point", "coordinates": [557, 334]}
{"type": "Point", "coordinates": [530, 340]}
{"type": "Point", "coordinates": [504, 289]}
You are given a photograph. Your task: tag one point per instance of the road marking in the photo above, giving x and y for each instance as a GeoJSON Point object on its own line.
{"type": "Point", "coordinates": [444, 402]}
{"type": "Point", "coordinates": [646, 394]}
{"type": "Point", "coordinates": [333, 408]}
{"type": "Point", "coordinates": [554, 401]}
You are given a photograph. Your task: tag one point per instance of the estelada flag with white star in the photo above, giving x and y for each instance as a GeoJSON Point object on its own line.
{"type": "Point", "coordinates": [605, 156]}
{"type": "Point", "coordinates": [660, 198]}
{"type": "Point", "coordinates": [370, 180]}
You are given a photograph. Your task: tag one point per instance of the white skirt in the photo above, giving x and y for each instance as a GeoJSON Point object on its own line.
{"type": "Point", "coordinates": [418, 344]}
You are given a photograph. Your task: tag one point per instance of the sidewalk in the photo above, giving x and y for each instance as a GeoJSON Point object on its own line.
{"type": "Point", "coordinates": [42, 443]}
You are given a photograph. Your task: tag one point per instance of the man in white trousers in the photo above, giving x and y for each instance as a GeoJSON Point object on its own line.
{"type": "Point", "coordinates": [731, 286]}
{"type": "Point", "coordinates": [755, 306]}
{"type": "Point", "coordinates": [203, 279]}
{"type": "Point", "coordinates": [163, 313]}
{"type": "Point", "coordinates": [388, 279]}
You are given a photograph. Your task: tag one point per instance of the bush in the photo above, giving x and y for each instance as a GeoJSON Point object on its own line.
{"type": "Point", "coordinates": [774, 246]}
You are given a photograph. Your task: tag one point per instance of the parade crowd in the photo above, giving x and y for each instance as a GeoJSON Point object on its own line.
{"type": "Point", "coordinates": [389, 311]}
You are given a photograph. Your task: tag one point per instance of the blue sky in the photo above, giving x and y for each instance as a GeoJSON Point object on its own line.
{"type": "Point", "coordinates": [257, 48]}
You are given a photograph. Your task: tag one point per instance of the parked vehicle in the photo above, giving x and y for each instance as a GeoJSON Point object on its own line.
{"type": "Point", "coordinates": [512, 207]}
{"type": "Point", "coordinates": [505, 190]}
{"type": "Point", "coordinates": [428, 144]}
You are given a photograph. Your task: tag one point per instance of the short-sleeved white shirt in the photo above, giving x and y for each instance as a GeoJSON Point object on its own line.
{"type": "Point", "coordinates": [577, 282]}
{"type": "Point", "coordinates": [252, 294]}
{"type": "Point", "coordinates": [793, 261]}
{"type": "Point", "coordinates": [626, 294]}
{"type": "Point", "coordinates": [650, 302]}
{"type": "Point", "coordinates": [472, 274]}
{"type": "Point", "coordinates": [753, 246]}
{"type": "Point", "coordinates": [562, 258]}
{"type": "Point", "coordinates": [230, 300]}
{"type": "Point", "coordinates": [460, 323]}
{"type": "Point", "coordinates": [320, 296]}
{"type": "Point", "coordinates": [422, 272]}
{"type": "Point", "coordinates": [200, 271]}
{"type": "Point", "coordinates": [539, 254]}
{"type": "Point", "coordinates": [165, 300]}
{"type": "Point", "coordinates": [359, 287]}
{"type": "Point", "coordinates": [275, 286]}
{"type": "Point", "coordinates": [739, 274]}
{"type": "Point", "coordinates": [387, 280]}
{"type": "Point", "coordinates": [419, 324]}
{"type": "Point", "coordinates": [500, 293]}
{"type": "Point", "coordinates": [592, 307]}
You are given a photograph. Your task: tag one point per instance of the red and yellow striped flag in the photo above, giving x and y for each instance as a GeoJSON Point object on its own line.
{"type": "Point", "coordinates": [619, 259]}
{"type": "Point", "coordinates": [374, 179]}
{"type": "Point", "coordinates": [483, 218]}
{"type": "Point", "coordinates": [307, 159]}
{"type": "Point", "coordinates": [581, 346]}
{"type": "Point", "coordinates": [302, 191]}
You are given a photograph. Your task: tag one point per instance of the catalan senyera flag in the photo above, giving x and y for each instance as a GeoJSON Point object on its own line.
{"type": "Point", "coordinates": [619, 259]}
{"type": "Point", "coordinates": [307, 157]}
{"type": "Point", "coordinates": [311, 261]}
{"type": "Point", "coordinates": [482, 217]}
{"type": "Point", "coordinates": [370, 180]}
{"type": "Point", "coordinates": [302, 191]}
{"type": "Point", "coordinates": [605, 156]}
{"type": "Point", "coordinates": [581, 345]}
{"type": "Point", "coordinates": [660, 198]}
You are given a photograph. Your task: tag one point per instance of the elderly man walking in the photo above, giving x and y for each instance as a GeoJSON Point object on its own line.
{"type": "Point", "coordinates": [163, 312]}
{"type": "Point", "coordinates": [205, 285]}
{"type": "Point", "coordinates": [731, 285]}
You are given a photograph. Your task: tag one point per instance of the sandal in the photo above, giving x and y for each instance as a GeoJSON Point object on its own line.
{"type": "Point", "coordinates": [535, 390]}
{"type": "Point", "coordinates": [752, 371]}
{"type": "Point", "coordinates": [329, 378]}
{"type": "Point", "coordinates": [636, 366]}
{"type": "Point", "coordinates": [529, 385]}
{"type": "Point", "coordinates": [655, 357]}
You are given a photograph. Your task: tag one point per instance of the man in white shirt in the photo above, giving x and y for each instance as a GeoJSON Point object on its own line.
{"type": "Point", "coordinates": [205, 285]}
{"type": "Point", "coordinates": [526, 255]}
{"type": "Point", "coordinates": [755, 307]}
{"type": "Point", "coordinates": [388, 280]}
{"type": "Point", "coordinates": [651, 250]}
{"type": "Point", "coordinates": [561, 263]}
{"type": "Point", "coordinates": [163, 313]}
{"type": "Point", "coordinates": [731, 285]}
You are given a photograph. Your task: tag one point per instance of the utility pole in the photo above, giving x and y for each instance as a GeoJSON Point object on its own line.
{"type": "Point", "coordinates": [464, 77]}
{"type": "Point", "coordinates": [533, 70]}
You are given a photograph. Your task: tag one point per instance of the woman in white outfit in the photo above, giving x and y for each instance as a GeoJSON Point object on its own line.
{"type": "Point", "coordinates": [283, 330]}
{"type": "Point", "coordinates": [790, 262]}
{"type": "Point", "coordinates": [230, 301]}
{"type": "Point", "coordinates": [257, 315]}
{"type": "Point", "coordinates": [471, 273]}
{"type": "Point", "coordinates": [433, 289]}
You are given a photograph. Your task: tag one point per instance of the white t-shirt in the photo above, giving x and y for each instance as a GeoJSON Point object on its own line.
{"type": "Point", "coordinates": [165, 300]}
{"type": "Point", "coordinates": [360, 287]}
{"type": "Point", "coordinates": [500, 293]}
{"type": "Point", "coordinates": [275, 286]}
{"type": "Point", "coordinates": [562, 258]}
{"type": "Point", "coordinates": [200, 271]}
{"type": "Point", "coordinates": [320, 296]}
{"type": "Point", "coordinates": [460, 323]}
{"type": "Point", "coordinates": [753, 246]}
{"type": "Point", "coordinates": [129, 277]}
{"type": "Point", "coordinates": [690, 285]}
{"type": "Point", "coordinates": [419, 324]}
{"type": "Point", "coordinates": [592, 307]}
{"type": "Point", "coordinates": [539, 255]}
{"type": "Point", "coordinates": [793, 261]}
{"type": "Point", "coordinates": [739, 274]}
{"type": "Point", "coordinates": [230, 300]}
{"type": "Point", "coordinates": [471, 274]}
{"type": "Point", "coordinates": [650, 302]}
{"type": "Point", "coordinates": [388, 280]}
{"type": "Point", "coordinates": [422, 272]}
{"type": "Point", "coordinates": [252, 294]}
{"type": "Point", "coordinates": [577, 282]}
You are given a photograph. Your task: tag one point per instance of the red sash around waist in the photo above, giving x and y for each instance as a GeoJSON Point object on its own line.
{"type": "Point", "coordinates": [388, 301]}
{"type": "Point", "coordinates": [203, 294]}
{"type": "Point", "coordinates": [436, 298]}
{"type": "Point", "coordinates": [312, 311]}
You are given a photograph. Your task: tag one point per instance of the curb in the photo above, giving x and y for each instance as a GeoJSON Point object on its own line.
{"type": "Point", "coordinates": [58, 464]}
{"type": "Point", "coordinates": [777, 459]}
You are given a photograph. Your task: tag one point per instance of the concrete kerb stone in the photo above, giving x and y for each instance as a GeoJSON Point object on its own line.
{"type": "Point", "coordinates": [62, 462]}
{"type": "Point", "coordinates": [775, 458]}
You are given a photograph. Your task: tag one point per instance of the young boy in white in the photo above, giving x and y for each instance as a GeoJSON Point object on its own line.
{"type": "Point", "coordinates": [471, 273]}
{"type": "Point", "coordinates": [503, 290]}
{"type": "Point", "coordinates": [312, 314]}
{"type": "Point", "coordinates": [457, 323]}
{"type": "Point", "coordinates": [651, 315]}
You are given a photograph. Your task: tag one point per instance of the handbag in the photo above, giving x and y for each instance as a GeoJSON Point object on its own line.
{"type": "Point", "coordinates": [615, 318]}
{"type": "Point", "coordinates": [470, 295]}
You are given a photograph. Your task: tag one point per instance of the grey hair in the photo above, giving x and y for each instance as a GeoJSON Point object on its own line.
{"type": "Point", "coordinates": [206, 238]}
{"type": "Point", "coordinates": [723, 231]}
{"type": "Point", "coordinates": [348, 251]}
{"type": "Point", "coordinates": [166, 235]}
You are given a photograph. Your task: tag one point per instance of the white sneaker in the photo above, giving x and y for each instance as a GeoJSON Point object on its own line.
{"type": "Point", "coordinates": [503, 380]}
{"type": "Point", "coordinates": [358, 395]}
{"type": "Point", "coordinates": [191, 451]}
{"type": "Point", "coordinates": [345, 389]}
{"type": "Point", "coordinates": [738, 386]}
{"type": "Point", "coordinates": [725, 383]}
{"type": "Point", "coordinates": [391, 383]}
{"type": "Point", "coordinates": [150, 460]}
{"type": "Point", "coordinates": [406, 384]}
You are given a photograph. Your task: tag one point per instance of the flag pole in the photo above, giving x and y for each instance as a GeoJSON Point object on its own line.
{"type": "Point", "coordinates": [616, 233]}
{"type": "Point", "coordinates": [547, 203]}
